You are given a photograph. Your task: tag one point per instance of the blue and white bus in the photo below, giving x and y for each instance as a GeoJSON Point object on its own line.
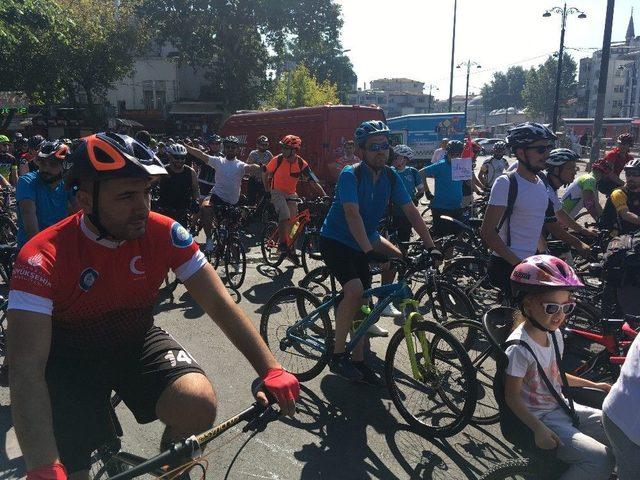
{"type": "Point", "coordinates": [424, 131]}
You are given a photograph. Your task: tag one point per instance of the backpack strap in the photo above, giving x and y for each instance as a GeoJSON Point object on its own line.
{"type": "Point", "coordinates": [568, 409]}
{"type": "Point", "coordinates": [511, 200]}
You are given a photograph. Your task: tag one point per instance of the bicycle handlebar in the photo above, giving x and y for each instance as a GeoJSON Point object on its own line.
{"type": "Point", "coordinates": [256, 415]}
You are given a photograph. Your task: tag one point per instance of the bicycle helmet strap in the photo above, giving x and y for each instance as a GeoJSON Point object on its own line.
{"type": "Point", "coordinates": [95, 215]}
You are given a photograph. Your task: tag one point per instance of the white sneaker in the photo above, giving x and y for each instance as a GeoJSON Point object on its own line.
{"type": "Point", "coordinates": [391, 311]}
{"type": "Point", "coordinates": [376, 331]}
{"type": "Point", "coordinates": [208, 246]}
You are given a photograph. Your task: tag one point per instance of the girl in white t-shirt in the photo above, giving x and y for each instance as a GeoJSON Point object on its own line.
{"type": "Point", "coordinates": [543, 284]}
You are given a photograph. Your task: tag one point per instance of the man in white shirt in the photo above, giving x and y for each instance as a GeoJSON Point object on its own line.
{"type": "Point", "coordinates": [439, 152]}
{"type": "Point", "coordinates": [515, 237]}
{"type": "Point", "coordinates": [260, 156]}
{"type": "Point", "coordinates": [228, 181]}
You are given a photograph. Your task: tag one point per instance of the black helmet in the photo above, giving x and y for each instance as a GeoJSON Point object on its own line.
{"type": "Point", "coordinates": [499, 146]}
{"type": "Point", "coordinates": [559, 156]}
{"type": "Point", "coordinates": [35, 142]}
{"type": "Point", "coordinates": [231, 140]}
{"type": "Point", "coordinates": [454, 147]}
{"type": "Point", "coordinates": [368, 129]}
{"type": "Point", "coordinates": [56, 149]}
{"type": "Point", "coordinates": [625, 139]}
{"type": "Point", "coordinates": [214, 139]}
{"type": "Point", "coordinates": [524, 134]}
{"type": "Point", "coordinates": [262, 139]}
{"type": "Point", "coordinates": [111, 155]}
{"type": "Point", "coordinates": [632, 165]}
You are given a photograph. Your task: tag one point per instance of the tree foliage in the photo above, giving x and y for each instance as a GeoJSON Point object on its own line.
{"type": "Point", "coordinates": [539, 90]}
{"type": "Point", "coordinates": [53, 48]}
{"type": "Point", "coordinates": [237, 41]}
{"type": "Point", "coordinates": [298, 88]}
{"type": "Point", "coordinates": [505, 89]}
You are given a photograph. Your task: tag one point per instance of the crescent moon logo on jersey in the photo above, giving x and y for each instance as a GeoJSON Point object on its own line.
{"type": "Point", "coordinates": [180, 236]}
{"type": "Point", "coordinates": [132, 265]}
{"type": "Point", "coordinates": [87, 278]}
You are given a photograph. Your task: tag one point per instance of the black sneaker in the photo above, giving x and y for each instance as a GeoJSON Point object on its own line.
{"type": "Point", "coordinates": [4, 375]}
{"type": "Point", "coordinates": [368, 375]}
{"type": "Point", "coordinates": [343, 367]}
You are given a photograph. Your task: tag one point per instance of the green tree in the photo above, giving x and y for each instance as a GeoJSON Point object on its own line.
{"type": "Point", "coordinates": [540, 83]}
{"type": "Point", "coordinates": [237, 41]}
{"type": "Point", "coordinates": [298, 88]}
{"type": "Point", "coordinates": [505, 89]}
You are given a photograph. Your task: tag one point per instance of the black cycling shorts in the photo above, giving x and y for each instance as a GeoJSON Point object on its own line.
{"type": "Point", "coordinates": [80, 392]}
{"type": "Point", "coordinates": [344, 262]}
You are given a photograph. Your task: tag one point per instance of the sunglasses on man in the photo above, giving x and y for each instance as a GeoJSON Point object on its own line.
{"type": "Point", "coordinates": [541, 148]}
{"type": "Point", "coordinates": [376, 147]}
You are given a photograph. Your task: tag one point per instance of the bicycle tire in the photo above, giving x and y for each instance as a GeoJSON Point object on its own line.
{"type": "Point", "coordinates": [471, 275]}
{"type": "Point", "coordinates": [8, 230]}
{"type": "Point", "coordinates": [310, 251]}
{"type": "Point", "coordinates": [431, 425]}
{"type": "Point", "coordinates": [270, 252]}
{"type": "Point", "coordinates": [317, 282]}
{"type": "Point", "coordinates": [235, 263]}
{"type": "Point", "coordinates": [522, 468]}
{"type": "Point", "coordinates": [457, 304]}
{"type": "Point", "coordinates": [305, 363]}
{"type": "Point", "coordinates": [483, 360]}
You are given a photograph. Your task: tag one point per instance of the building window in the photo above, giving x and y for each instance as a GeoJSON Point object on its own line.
{"type": "Point", "coordinates": [147, 99]}
{"type": "Point", "coordinates": [421, 99]}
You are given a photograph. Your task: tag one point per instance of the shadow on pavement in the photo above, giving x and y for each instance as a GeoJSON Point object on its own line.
{"type": "Point", "coordinates": [260, 293]}
{"type": "Point", "coordinates": [342, 423]}
{"type": "Point", "coordinates": [9, 468]}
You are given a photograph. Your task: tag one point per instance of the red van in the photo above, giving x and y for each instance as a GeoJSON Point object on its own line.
{"type": "Point", "coordinates": [323, 130]}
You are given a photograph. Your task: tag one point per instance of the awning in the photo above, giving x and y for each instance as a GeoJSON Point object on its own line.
{"type": "Point", "coordinates": [128, 123]}
{"type": "Point", "coordinates": [196, 108]}
{"type": "Point", "coordinates": [636, 121]}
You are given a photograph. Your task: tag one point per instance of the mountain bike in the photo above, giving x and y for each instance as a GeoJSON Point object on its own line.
{"type": "Point", "coordinates": [305, 231]}
{"type": "Point", "coordinates": [228, 247]}
{"type": "Point", "coordinates": [428, 372]}
{"type": "Point", "coordinates": [109, 461]}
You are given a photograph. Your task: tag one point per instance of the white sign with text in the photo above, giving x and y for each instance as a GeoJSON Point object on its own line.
{"type": "Point", "coordinates": [461, 169]}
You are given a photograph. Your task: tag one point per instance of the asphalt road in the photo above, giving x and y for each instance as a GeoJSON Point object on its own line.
{"type": "Point", "coordinates": [341, 431]}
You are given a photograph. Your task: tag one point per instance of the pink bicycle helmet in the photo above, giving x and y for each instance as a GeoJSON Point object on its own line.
{"type": "Point", "coordinates": [541, 273]}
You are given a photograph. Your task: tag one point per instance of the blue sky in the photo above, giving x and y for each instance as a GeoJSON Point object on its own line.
{"type": "Point", "coordinates": [412, 38]}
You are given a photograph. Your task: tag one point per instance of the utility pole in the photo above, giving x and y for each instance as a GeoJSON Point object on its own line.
{"type": "Point", "coordinates": [431, 87]}
{"type": "Point", "coordinates": [453, 52]}
{"type": "Point", "coordinates": [466, 95]}
{"type": "Point", "coordinates": [564, 11]}
{"type": "Point", "coordinates": [602, 86]}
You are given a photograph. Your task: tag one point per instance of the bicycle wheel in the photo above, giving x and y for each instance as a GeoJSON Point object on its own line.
{"type": "Point", "coordinates": [269, 245]}
{"type": "Point", "coordinates": [317, 282]}
{"type": "Point", "coordinates": [8, 230]}
{"type": "Point", "coordinates": [235, 263]}
{"type": "Point", "coordinates": [440, 398]}
{"type": "Point", "coordinates": [471, 275]}
{"type": "Point", "coordinates": [301, 350]}
{"type": "Point", "coordinates": [310, 251]}
{"type": "Point", "coordinates": [480, 353]}
{"type": "Point", "coordinates": [443, 302]}
{"type": "Point", "coordinates": [521, 469]}
{"type": "Point", "coordinates": [3, 331]}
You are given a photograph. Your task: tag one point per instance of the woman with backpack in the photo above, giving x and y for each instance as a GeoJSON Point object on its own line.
{"type": "Point", "coordinates": [542, 285]}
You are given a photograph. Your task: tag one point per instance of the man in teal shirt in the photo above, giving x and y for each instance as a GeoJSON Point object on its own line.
{"type": "Point", "coordinates": [41, 196]}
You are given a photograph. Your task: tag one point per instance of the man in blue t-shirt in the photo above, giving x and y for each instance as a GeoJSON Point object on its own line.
{"type": "Point", "coordinates": [447, 199]}
{"type": "Point", "coordinates": [41, 196]}
{"type": "Point", "coordinates": [349, 240]}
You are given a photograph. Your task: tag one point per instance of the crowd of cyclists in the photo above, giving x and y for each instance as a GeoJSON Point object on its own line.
{"type": "Point", "coordinates": [93, 250]}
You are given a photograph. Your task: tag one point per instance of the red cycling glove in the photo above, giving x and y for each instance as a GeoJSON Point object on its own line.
{"type": "Point", "coordinates": [55, 471]}
{"type": "Point", "coordinates": [281, 384]}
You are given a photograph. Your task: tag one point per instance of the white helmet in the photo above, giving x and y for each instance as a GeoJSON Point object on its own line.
{"type": "Point", "coordinates": [403, 151]}
{"type": "Point", "coordinates": [176, 150]}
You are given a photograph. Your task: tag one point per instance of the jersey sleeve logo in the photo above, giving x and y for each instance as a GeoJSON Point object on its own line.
{"type": "Point", "coordinates": [35, 260]}
{"type": "Point", "coordinates": [87, 278]}
{"type": "Point", "coordinates": [180, 236]}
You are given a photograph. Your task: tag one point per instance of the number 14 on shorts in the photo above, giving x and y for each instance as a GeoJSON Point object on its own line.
{"type": "Point", "coordinates": [181, 357]}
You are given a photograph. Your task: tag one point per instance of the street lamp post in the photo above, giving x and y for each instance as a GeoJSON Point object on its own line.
{"type": "Point", "coordinates": [564, 11]}
{"type": "Point", "coordinates": [453, 51]}
{"type": "Point", "coordinates": [466, 95]}
{"type": "Point", "coordinates": [431, 87]}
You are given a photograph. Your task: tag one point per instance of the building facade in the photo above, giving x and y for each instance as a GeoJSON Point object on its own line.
{"type": "Point", "coordinates": [396, 96]}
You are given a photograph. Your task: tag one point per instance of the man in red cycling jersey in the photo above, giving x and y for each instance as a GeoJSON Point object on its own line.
{"type": "Point", "coordinates": [81, 318]}
{"type": "Point", "coordinates": [607, 170]}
